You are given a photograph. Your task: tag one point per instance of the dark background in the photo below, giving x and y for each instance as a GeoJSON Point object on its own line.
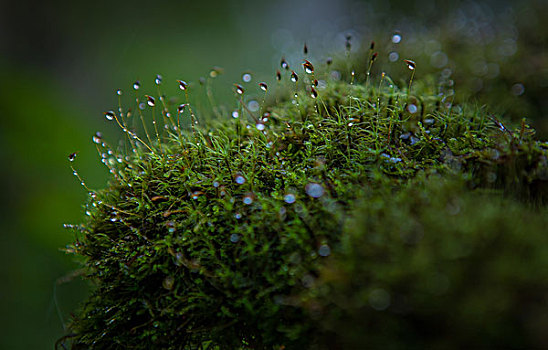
{"type": "Point", "coordinates": [61, 63]}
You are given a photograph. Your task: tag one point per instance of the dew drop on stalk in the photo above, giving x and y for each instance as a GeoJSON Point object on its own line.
{"type": "Point", "coordinates": [182, 85]}
{"type": "Point", "coordinates": [329, 60]}
{"type": "Point", "coordinates": [313, 93]}
{"type": "Point", "coordinates": [314, 190]}
{"type": "Point", "coordinates": [246, 77]}
{"type": "Point", "coordinates": [396, 38]}
{"type": "Point", "coordinates": [109, 115]}
{"type": "Point", "coordinates": [263, 86]}
{"type": "Point", "coordinates": [294, 77]}
{"type": "Point", "coordinates": [234, 238]}
{"type": "Point", "coordinates": [410, 64]}
{"type": "Point", "coordinates": [150, 101]}
{"type": "Point", "coordinates": [235, 114]}
{"type": "Point", "coordinates": [72, 157]}
{"type": "Point", "coordinates": [119, 92]}
{"type": "Point", "coordinates": [238, 216]}
{"type": "Point", "coordinates": [305, 49]}
{"type": "Point", "coordinates": [260, 126]}
{"type": "Point", "coordinates": [158, 79]}
{"type": "Point", "coordinates": [137, 85]}
{"type": "Point", "coordinates": [284, 64]}
{"type": "Point", "coordinates": [181, 108]}
{"type": "Point", "coordinates": [239, 89]}
{"type": "Point", "coordinates": [216, 184]}
{"type": "Point", "coordinates": [97, 137]}
{"type": "Point", "coordinates": [308, 67]}
{"type": "Point", "coordinates": [278, 75]}
{"type": "Point", "coordinates": [289, 198]}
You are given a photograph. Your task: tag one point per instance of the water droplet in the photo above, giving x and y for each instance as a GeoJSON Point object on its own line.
{"type": "Point", "coordinates": [97, 137]}
{"type": "Point", "coordinates": [253, 106]}
{"type": "Point", "coordinates": [109, 115]}
{"type": "Point", "coordinates": [182, 85]}
{"type": "Point", "coordinates": [168, 284]}
{"type": "Point", "coordinates": [239, 179]}
{"type": "Point", "coordinates": [260, 126]}
{"type": "Point", "coordinates": [248, 199]}
{"type": "Point", "coordinates": [235, 114]}
{"type": "Point", "coordinates": [263, 86]}
{"type": "Point", "coordinates": [246, 77]}
{"type": "Point", "coordinates": [313, 93]}
{"type": "Point", "coordinates": [308, 67]}
{"type": "Point", "coordinates": [196, 194]}
{"type": "Point", "coordinates": [239, 89]}
{"type": "Point", "coordinates": [393, 56]}
{"type": "Point", "coordinates": [305, 49]}
{"type": "Point", "coordinates": [170, 226]}
{"type": "Point", "coordinates": [150, 101]}
{"type": "Point", "coordinates": [396, 38]}
{"type": "Point", "coordinates": [72, 157]}
{"type": "Point", "coordinates": [329, 60]}
{"type": "Point", "coordinates": [284, 64]}
{"type": "Point", "coordinates": [324, 250]}
{"type": "Point", "coordinates": [294, 77]}
{"type": "Point", "coordinates": [119, 92]}
{"type": "Point", "coordinates": [137, 85]}
{"type": "Point", "coordinates": [234, 238]}
{"type": "Point", "coordinates": [314, 190]}
{"type": "Point", "coordinates": [518, 89]}
{"type": "Point", "coordinates": [215, 71]}
{"type": "Point", "coordinates": [289, 198]}
{"type": "Point", "coordinates": [379, 299]}
{"type": "Point", "coordinates": [412, 108]}
{"type": "Point", "coordinates": [158, 79]}
{"type": "Point", "coordinates": [410, 64]}
{"type": "Point", "coordinates": [181, 108]}
{"type": "Point", "coordinates": [278, 75]}
{"type": "Point", "coordinates": [216, 184]}
{"type": "Point", "coordinates": [238, 216]}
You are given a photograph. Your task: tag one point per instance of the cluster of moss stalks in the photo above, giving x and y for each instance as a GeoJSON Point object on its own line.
{"type": "Point", "coordinates": [349, 214]}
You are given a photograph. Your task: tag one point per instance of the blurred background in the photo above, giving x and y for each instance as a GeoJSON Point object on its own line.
{"type": "Point", "coordinates": [61, 63]}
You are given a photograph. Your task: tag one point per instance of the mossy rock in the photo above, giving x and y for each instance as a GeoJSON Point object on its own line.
{"type": "Point", "coordinates": [214, 237]}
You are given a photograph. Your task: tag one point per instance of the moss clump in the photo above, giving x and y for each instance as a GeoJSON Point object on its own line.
{"type": "Point", "coordinates": [212, 238]}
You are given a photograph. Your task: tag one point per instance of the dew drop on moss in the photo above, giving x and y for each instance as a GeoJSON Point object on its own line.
{"type": "Point", "coordinates": [294, 77]}
{"type": "Point", "coordinates": [248, 199]}
{"type": "Point", "coordinates": [260, 126]}
{"type": "Point", "coordinates": [308, 67]}
{"type": "Point", "coordinates": [239, 89]}
{"type": "Point", "coordinates": [239, 179]}
{"type": "Point", "coordinates": [137, 85]}
{"type": "Point", "coordinates": [238, 216]}
{"type": "Point", "coordinates": [393, 56]}
{"type": "Point", "coordinates": [235, 114]}
{"type": "Point", "coordinates": [170, 226]}
{"type": "Point", "coordinates": [151, 101]}
{"type": "Point", "coordinates": [158, 79]}
{"type": "Point", "coordinates": [314, 190]}
{"type": "Point", "coordinates": [119, 92]}
{"type": "Point", "coordinates": [72, 157]}
{"type": "Point", "coordinates": [253, 105]}
{"type": "Point", "coordinates": [412, 109]}
{"type": "Point", "coordinates": [379, 299]}
{"type": "Point", "coordinates": [167, 284]}
{"type": "Point", "coordinates": [324, 250]}
{"type": "Point", "coordinates": [396, 38]}
{"type": "Point", "coordinates": [234, 238]}
{"type": "Point", "coordinates": [289, 198]}
{"type": "Point", "coordinates": [182, 85]}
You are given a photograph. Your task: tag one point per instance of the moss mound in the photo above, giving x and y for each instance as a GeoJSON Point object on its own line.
{"type": "Point", "coordinates": [214, 237]}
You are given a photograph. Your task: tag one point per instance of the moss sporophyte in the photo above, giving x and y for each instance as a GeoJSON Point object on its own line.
{"type": "Point", "coordinates": [336, 209]}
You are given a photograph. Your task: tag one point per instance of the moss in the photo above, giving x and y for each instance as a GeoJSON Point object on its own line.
{"type": "Point", "coordinates": [212, 237]}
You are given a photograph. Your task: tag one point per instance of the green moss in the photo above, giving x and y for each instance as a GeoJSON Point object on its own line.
{"type": "Point", "coordinates": [212, 237]}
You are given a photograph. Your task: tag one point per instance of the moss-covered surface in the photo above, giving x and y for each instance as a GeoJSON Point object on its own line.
{"type": "Point", "coordinates": [293, 227]}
